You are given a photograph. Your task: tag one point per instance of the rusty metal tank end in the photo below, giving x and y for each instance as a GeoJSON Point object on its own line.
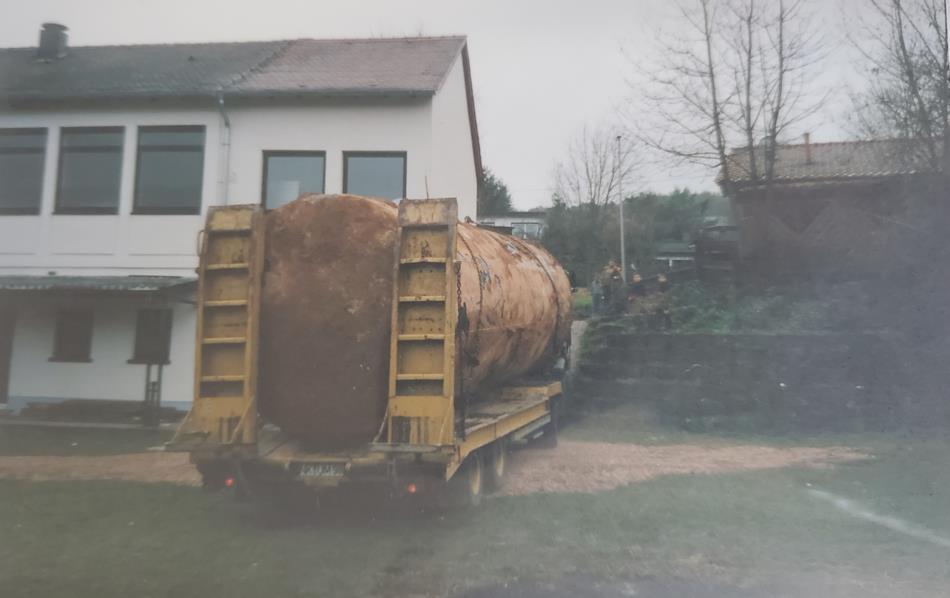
{"type": "Point", "coordinates": [326, 306]}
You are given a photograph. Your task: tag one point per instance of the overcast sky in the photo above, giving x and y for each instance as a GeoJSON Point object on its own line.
{"type": "Point", "coordinates": [542, 69]}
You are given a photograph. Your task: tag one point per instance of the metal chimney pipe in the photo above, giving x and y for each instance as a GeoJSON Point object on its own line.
{"type": "Point", "coordinates": [53, 42]}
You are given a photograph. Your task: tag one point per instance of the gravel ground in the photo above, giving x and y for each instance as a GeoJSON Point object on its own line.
{"type": "Point", "coordinates": [583, 467]}
{"type": "Point", "coordinates": [597, 466]}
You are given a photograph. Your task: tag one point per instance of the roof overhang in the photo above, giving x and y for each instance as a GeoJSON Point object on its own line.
{"type": "Point", "coordinates": [124, 285]}
{"type": "Point", "coordinates": [27, 101]}
{"type": "Point", "coordinates": [746, 187]}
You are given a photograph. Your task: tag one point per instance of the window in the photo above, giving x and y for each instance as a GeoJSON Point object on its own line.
{"type": "Point", "coordinates": [375, 174]}
{"type": "Point", "coordinates": [288, 175]}
{"type": "Point", "coordinates": [169, 170]}
{"type": "Point", "coordinates": [153, 335]}
{"type": "Point", "coordinates": [526, 230]}
{"type": "Point", "coordinates": [72, 340]}
{"type": "Point", "coordinates": [22, 157]}
{"type": "Point", "coordinates": [90, 169]}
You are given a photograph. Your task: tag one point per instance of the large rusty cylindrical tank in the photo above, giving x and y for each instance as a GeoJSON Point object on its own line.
{"type": "Point", "coordinates": [326, 308]}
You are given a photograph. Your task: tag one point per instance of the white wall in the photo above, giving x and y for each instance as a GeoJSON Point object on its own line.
{"type": "Point", "coordinates": [108, 376]}
{"type": "Point", "coordinates": [453, 163]}
{"type": "Point", "coordinates": [332, 127]}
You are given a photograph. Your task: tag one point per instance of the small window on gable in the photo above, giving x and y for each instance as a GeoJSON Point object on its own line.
{"type": "Point", "coordinates": [375, 174]}
{"type": "Point", "coordinates": [153, 334]}
{"type": "Point", "coordinates": [72, 339]}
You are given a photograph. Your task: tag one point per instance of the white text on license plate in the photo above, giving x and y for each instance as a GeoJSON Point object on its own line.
{"type": "Point", "coordinates": [321, 470]}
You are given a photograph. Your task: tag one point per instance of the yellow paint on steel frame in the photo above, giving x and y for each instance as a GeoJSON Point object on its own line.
{"type": "Point", "coordinates": [421, 407]}
{"type": "Point", "coordinates": [420, 416]}
{"type": "Point", "coordinates": [231, 259]}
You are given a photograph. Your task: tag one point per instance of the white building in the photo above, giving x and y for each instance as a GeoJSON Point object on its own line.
{"type": "Point", "coordinates": [111, 155]}
{"type": "Point", "coordinates": [524, 225]}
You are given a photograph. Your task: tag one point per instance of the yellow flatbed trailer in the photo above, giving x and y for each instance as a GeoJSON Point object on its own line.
{"type": "Point", "coordinates": [424, 439]}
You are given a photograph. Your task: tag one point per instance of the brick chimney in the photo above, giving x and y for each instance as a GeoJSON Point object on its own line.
{"type": "Point", "coordinates": [53, 42]}
{"type": "Point", "coordinates": [808, 148]}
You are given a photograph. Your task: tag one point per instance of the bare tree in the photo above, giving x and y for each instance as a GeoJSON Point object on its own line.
{"type": "Point", "coordinates": [909, 67]}
{"type": "Point", "coordinates": [735, 74]}
{"type": "Point", "coordinates": [591, 171]}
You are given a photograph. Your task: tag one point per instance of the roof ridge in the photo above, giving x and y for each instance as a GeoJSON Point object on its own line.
{"type": "Point", "coordinates": [385, 38]}
{"type": "Point", "coordinates": [856, 141]}
{"type": "Point", "coordinates": [741, 149]}
{"type": "Point", "coordinates": [459, 37]}
{"type": "Point", "coordinates": [159, 44]}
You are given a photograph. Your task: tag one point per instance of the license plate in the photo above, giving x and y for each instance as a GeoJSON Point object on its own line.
{"type": "Point", "coordinates": [321, 470]}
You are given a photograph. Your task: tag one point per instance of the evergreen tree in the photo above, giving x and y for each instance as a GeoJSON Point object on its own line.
{"type": "Point", "coordinates": [493, 195]}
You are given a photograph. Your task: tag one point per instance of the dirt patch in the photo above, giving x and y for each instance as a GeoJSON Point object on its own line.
{"type": "Point", "coordinates": [572, 467]}
{"type": "Point", "coordinates": [577, 585]}
{"type": "Point", "coordinates": [171, 468]}
{"type": "Point", "coordinates": [587, 467]}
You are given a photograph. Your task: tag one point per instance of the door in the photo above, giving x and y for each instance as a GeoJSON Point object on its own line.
{"type": "Point", "coordinates": [7, 321]}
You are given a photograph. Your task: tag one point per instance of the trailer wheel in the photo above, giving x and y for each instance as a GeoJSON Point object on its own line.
{"type": "Point", "coordinates": [467, 485]}
{"type": "Point", "coordinates": [212, 477]}
{"type": "Point", "coordinates": [475, 475]}
{"type": "Point", "coordinates": [498, 466]}
{"type": "Point", "coordinates": [548, 437]}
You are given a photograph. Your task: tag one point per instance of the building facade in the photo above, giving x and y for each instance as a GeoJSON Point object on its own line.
{"type": "Point", "coordinates": [523, 225]}
{"type": "Point", "coordinates": [111, 156]}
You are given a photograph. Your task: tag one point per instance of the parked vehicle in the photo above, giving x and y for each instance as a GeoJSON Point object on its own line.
{"type": "Point", "coordinates": [308, 376]}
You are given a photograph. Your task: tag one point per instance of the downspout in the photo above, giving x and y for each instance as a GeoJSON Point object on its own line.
{"type": "Point", "coordinates": [226, 146]}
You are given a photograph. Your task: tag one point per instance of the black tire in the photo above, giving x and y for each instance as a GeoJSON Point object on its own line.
{"type": "Point", "coordinates": [497, 465]}
{"type": "Point", "coordinates": [466, 487]}
{"type": "Point", "coordinates": [212, 477]}
{"type": "Point", "coordinates": [549, 434]}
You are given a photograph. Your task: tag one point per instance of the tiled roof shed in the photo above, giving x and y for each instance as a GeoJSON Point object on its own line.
{"type": "Point", "coordinates": [843, 160]}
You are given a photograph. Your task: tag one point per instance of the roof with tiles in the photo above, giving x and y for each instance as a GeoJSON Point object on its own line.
{"type": "Point", "coordinates": [301, 67]}
{"type": "Point", "coordinates": [838, 160]}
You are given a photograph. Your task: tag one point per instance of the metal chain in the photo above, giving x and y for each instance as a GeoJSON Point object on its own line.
{"type": "Point", "coordinates": [458, 284]}
{"type": "Point", "coordinates": [460, 331]}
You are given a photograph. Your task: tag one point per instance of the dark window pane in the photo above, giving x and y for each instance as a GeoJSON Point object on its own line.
{"type": "Point", "coordinates": [151, 136]}
{"type": "Point", "coordinates": [22, 157]}
{"type": "Point", "coordinates": [106, 137]}
{"type": "Point", "coordinates": [376, 176]}
{"type": "Point", "coordinates": [73, 337]}
{"type": "Point", "coordinates": [90, 170]}
{"type": "Point", "coordinates": [291, 175]}
{"type": "Point", "coordinates": [153, 333]}
{"type": "Point", "coordinates": [22, 139]}
{"type": "Point", "coordinates": [170, 170]}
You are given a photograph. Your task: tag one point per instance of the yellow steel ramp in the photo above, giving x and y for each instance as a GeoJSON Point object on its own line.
{"type": "Point", "coordinates": [421, 409]}
{"type": "Point", "coordinates": [231, 260]}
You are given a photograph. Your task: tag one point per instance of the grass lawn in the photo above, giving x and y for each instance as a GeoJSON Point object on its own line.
{"type": "Point", "coordinates": [759, 532]}
{"type": "Point", "coordinates": [582, 304]}
{"type": "Point", "coordinates": [63, 441]}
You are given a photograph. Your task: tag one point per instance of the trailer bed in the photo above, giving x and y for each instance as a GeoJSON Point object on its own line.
{"type": "Point", "coordinates": [419, 437]}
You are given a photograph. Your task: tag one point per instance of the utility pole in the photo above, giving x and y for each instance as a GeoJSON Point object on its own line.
{"type": "Point", "coordinates": [623, 249]}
